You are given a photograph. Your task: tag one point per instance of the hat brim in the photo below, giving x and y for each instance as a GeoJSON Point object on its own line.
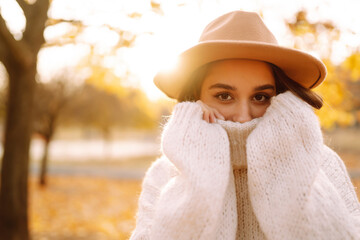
{"type": "Point", "coordinates": [302, 67]}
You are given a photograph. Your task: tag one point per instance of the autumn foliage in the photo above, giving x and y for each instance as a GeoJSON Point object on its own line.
{"type": "Point", "coordinates": [342, 83]}
{"type": "Point", "coordinates": [83, 208]}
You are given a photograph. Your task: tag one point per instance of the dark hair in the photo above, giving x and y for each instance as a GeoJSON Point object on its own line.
{"type": "Point", "coordinates": [284, 83]}
{"type": "Point", "coordinates": [191, 92]}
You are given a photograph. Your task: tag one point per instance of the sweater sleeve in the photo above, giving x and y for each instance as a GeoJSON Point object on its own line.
{"type": "Point", "coordinates": [336, 172]}
{"type": "Point", "coordinates": [190, 204]}
{"type": "Point", "coordinates": [159, 173]}
{"type": "Point", "coordinates": [290, 190]}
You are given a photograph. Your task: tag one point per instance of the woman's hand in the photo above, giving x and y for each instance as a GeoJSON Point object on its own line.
{"type": "Point", "coordinates": [210, 114]}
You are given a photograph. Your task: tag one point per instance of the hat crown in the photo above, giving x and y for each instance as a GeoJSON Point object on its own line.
{"type": "Point", "coordinates": [238, 26]}
{"type": "Point", "coordinates": [240, 35]}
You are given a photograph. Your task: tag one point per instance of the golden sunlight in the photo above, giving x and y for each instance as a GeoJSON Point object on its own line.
{"type": "Point", "coordinates": [162, 35]}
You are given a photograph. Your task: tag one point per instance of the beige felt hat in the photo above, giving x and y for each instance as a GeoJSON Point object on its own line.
{"type": "Point", "coordinates": [242, 35]}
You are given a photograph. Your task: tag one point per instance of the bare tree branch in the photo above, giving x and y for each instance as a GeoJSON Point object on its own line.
{"type": "Point", "coordinates": [80, 24]}
{"type": "Point", "coordinates": [3, 52]}
{"type": "Point", "coordinates": [54, 21]}
{"type": "Point", "coordinates": [61, 43]}
{"type": "Point", "coordinates": [24, 6]}
{"type": "Point", "coordinates": [11, 47]}
{"type": "Point", "coordinates": [35, 24]}
{"type": "Point", "coordinates": [126, 38]}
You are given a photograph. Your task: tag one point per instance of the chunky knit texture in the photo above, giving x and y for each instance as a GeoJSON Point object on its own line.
{"type": "Point", "coordinates": [248, 226]}
{"type": "Point", "coordinates": [238, 134]}
{"type": "Point", "coordinates": [297, 188]}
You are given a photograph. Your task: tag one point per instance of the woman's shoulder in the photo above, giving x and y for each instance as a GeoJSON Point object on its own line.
{"type": "Point", "coordinates": [162, 166]}
{"type": "Point", "coordinates": [331, 161]}
{"type": "Point", "coordinates": [160, 172]}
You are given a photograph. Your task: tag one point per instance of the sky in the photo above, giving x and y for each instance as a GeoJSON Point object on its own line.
{"type": "Point", "coordinates": [173, 31]}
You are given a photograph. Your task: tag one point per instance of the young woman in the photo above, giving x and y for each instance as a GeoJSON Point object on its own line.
{"type": "Point", "coordinates": [243, 154]}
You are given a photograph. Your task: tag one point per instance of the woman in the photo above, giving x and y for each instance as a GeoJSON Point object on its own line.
{"type": "Point", "coordinates": [243, 154]}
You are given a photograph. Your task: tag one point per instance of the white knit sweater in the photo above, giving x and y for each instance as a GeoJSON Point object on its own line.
{"type": "Point", "coordinates": [248, 226]}
{"type": "Point", "coordinates": [297, 187]}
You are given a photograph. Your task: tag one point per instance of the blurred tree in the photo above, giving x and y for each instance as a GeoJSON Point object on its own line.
{"type": "Point", "coordinates": [100, 63]}
{"type": "Point", "coordinates": [352, 68]}
{"type": "Point", "coordinates": [3, 98]}
{"type": "Point", "coordinates": [320, 37]}
{"type": "Point", "coordinates": [3, 92]}
{"type": "Point", "coordinates": [314, 36]}
{"type": "Point", "coordinates": [352, 64]}
{"type": "Point", "coordinates": [19, 58]}
{"type": "Point", "coordinates": [60, 102]}
{"type": "Point", "coordinates": [337, 109]}
{"type": "Point", "coordinates": [93, 107]}
{"type": "Point", "coordinates": [50, 99]}
{"type": "Point", "coordinates": [140, 112]}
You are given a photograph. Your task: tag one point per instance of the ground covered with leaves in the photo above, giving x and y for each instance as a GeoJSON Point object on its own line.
{"type": "Point", "coordinates": [83, 208]}
{"type": "Point", "coordinates": [94, 208]}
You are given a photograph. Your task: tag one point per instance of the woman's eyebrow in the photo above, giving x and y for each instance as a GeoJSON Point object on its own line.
{"type": "Point", "coordinates": [222, 85]}
{"type": "Point", "coordinates": [264, 87]}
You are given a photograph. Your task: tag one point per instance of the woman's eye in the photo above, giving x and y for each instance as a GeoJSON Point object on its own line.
{"type": "Point", "coordinates": [224, 97]}
{"type": "Point", "coordinates": [261, 98]}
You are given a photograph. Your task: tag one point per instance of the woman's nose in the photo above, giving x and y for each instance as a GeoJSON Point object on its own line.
{"type": "Point", "coordinates": [242, 113]}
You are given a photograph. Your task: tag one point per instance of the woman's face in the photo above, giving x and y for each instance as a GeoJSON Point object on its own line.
{"type": "Point", "coordinates": [239, 89]}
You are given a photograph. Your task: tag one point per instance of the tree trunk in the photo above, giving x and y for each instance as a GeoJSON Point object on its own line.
{"type": "Point", "coordinates": [19, 58]}
{"type": "Point", "coordinates": [48, 136]}
{"type": "Point", "coordinates": [15, 163]}
{"type": "Point", "coordinates": [44, 164]}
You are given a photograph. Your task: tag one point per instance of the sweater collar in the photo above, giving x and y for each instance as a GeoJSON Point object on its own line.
{"type": "Point", "coordinates": [238, 134]}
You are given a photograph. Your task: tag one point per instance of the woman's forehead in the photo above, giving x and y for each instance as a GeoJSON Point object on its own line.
{"type": "Point", "coordinates": [240, 71]}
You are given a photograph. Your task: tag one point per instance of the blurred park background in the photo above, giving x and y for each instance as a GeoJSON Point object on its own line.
{"type": "Point", "coordinates": [80, 119]}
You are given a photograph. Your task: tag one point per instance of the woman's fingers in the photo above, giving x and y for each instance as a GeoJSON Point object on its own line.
{"type": "Point", "coordinates": [212, 117]}
{"type": "Point", "coordinates": [218, 115]}
{"type": "Point", "coordinates": [210, 114]}
{"type": "Point", "coordinates": [206, 116]}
